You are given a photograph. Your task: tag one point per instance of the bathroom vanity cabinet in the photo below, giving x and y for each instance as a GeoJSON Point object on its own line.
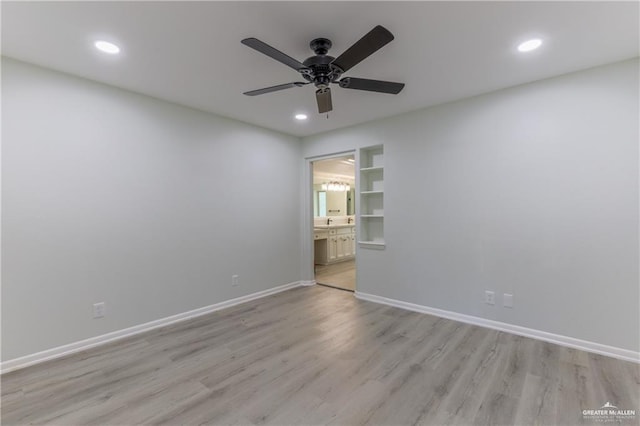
{"type": "Point", "coordinates": [334, 244]}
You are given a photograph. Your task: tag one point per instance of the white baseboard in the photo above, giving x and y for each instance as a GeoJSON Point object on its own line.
{"type": "Point", "coordinates": [308, 283]}
{"type": "Point", "coordinates": [60, 351]}
{"type": "Point", "coordinates": [619, 353]}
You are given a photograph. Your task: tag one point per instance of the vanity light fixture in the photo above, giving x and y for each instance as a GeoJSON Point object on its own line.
{"type": "Point", "coordinates": [530, 45]}
{"type": "Point", "coordinates": [336, 186]}
{"type": "Point", "coordinates": [106, 47]}
{"type": "Point", "coordinates": [301, 116]}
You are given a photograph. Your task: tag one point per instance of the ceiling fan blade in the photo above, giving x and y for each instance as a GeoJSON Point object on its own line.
{"type": "Point", "coordinates": [323, 97]}
{"type": "Point", "coordinates": [371, 85]}
{"type": "Point", "coordinates": [371, 42]}
{"type": "Point", "coordinates": [274, 53]}
{"type": "Point", "coordinates": [274, 88]}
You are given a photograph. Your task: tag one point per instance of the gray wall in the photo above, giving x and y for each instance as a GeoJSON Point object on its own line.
{"type": "Point", "coordinates": [151, 207]}
{"type": "Point", "coordinates": [531, 190]}
{"type": "Point", "coordinates": [145, 205]}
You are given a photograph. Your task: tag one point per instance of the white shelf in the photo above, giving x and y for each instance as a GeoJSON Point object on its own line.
{"type": "Point", "coordinates": [378, 245]}
{"type": "Point", "coordinates": [372, 181]}
{"type": "Point", "coordinates": [371, 192]}
{"type": "Point", "coordinates": [371, 169]}
{"type": "Point", "coordinates": [372, 157]}
{"type": "Point", "coordinates": [371, 215]}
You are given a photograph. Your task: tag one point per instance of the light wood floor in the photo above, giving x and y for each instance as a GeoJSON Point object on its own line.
{"type": "Point", "coordinates": [341, 275]}
{"type": "Point", "coordinates": [317, 355]}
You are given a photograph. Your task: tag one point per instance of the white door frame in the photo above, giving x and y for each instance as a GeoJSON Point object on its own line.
{"type": "Point", "coordinates": [307, 212]}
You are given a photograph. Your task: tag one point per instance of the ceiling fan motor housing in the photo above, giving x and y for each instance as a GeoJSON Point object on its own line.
{"type": "Point", "coordinates": [322, 72]}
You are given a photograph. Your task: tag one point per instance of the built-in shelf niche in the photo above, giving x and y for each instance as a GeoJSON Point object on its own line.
{"type": "Point", "coordinates": [372, 204]}
{"type": "Point", "coordinates": [371, 197]}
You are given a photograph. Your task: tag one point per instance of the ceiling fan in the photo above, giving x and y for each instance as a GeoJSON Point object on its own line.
{"type": "Point", "coordinates": [322, 69]}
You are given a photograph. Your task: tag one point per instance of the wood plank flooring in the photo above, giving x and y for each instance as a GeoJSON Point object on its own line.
{"type": "Point", "coordinates": [341, 275]}
{"type": "Point", "coordinates": [315, 356]}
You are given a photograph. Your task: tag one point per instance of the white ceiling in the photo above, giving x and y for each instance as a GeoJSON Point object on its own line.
{"type": "Point", "coordinates": [339, 169]}
{"type": "Point", "coordinates": [190, 52]}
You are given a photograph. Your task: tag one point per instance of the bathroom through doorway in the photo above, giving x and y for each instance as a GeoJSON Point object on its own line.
{"type": "Point", "coordinates": [334, 228]}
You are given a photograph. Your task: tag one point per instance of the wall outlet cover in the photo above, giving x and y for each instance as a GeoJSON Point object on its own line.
{"type": "Point", "coordinates": [99, 310]}
{"type": "Point", "coordinates": [507, 300]}
{"type": "Point", "coordinates": [234, 280]}
{"type": "Point", "coordinates": [489, 297]}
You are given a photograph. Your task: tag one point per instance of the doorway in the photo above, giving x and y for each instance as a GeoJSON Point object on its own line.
{"type": "Point", "coordinates": [334, 227]}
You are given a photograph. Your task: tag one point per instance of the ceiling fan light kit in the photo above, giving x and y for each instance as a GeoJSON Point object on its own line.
{"type": "Point", "coordinates": [323, 70]}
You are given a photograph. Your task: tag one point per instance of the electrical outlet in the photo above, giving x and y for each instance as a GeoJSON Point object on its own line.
{"type": "Point", "coordinates": [234, 280]}
{"type": "Point", "coordinates": [507, 300]}
{"type": "Point", "coordinates": [489, 297]}
{"type": "Point", "coordinates": [99, 310]}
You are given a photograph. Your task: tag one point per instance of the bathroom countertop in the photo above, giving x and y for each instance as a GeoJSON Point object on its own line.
{"type": "Point", "coordinates": [341, 225]}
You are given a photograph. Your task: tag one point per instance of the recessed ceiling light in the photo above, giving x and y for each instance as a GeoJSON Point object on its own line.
{"type": "Point", "coordinates": [530, 45]}
{"type": "Point", "coordinates": [301, 116]}
{"type": "Point", "coordinates": [106, 47]}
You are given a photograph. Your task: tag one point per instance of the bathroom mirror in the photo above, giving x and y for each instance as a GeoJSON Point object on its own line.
{"type": "Point", "coordinates": [333, 203]}
{"type": "Point", "coordinates": [334, 192]}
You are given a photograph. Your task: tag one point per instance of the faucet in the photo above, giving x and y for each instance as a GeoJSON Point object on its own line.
{"type": "Point", "coordinates": [329, 221]}
{"type": "Point", "coordinates": [350, 220]}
